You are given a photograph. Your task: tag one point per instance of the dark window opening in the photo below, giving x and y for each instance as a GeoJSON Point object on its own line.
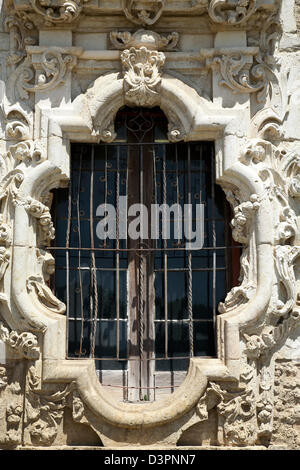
{"type": "Point", "coordinates": [141, 308]}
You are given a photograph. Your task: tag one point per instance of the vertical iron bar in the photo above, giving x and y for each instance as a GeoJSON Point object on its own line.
{"type": "Point", "coordinates": [190, 274]}
{"type": "Point", "coordinates": [141, 279]}
{"type": "Point", "coordinates": [94, 289]}
{"type": "Point", "coordinates": [165, 253]}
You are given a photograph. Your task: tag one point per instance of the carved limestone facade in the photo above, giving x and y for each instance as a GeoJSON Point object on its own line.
{"type": "Point", "coordinates": [221, 70]}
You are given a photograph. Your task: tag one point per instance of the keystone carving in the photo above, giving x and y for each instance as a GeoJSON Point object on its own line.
{"type": "Point", "coordinates": [142, 76]}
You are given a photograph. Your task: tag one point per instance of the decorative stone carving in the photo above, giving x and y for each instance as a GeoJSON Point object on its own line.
{"type": "Point", "coordinates": [236, 408]}
{"type": "Point", "coordinates": [229, 12]}
{"type": "Point", "coordinates": [238, 72]}
{"type": "Point", "coordinates": [19, 25]}
{"type": "Point", "coordinates": [270, 337]}
{"type": "Point", "coordinates": [142, 75]}
{"type": "Point", "coordinates": [24, 344]}
{"type": "Point", "coordinates": [143, 37]}
{"type": "Point", "coordinates": [30, 152]}
{"type": "Point", "coordinates": [52, 13]}
{"type": "Point", "coordinates": [261, 181]}
{"type": "Point", "coordinates": [3, 378]}
{"type": "Point", "coordinates": [243, 214]}
{"type": "Point", "coordinates": [45, 295]}
{"type": "Point", "coordinates": [52, 69]}
{"type": "Point", "coordinates": [14, 415]}
{"type": "Point", "coordinates": [18, 126]}
{"type": "Point", "coordinates": [286, 405]}
{"type": "Point", "coordinates": [44, 411]}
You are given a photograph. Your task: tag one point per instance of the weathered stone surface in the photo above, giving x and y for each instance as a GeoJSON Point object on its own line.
{"type": "Point", "coordinates": [222, 71]}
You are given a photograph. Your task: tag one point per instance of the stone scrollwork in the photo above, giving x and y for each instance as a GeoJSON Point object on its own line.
{"type": "Point", "coordinates": [3, 378]}
{"type": "Point", "coordinates": [231, 12]}
{"type": "Point", "coordinates": [44, 411]}
{"type": "Point", "coordinates": [57, 13]}
{"type": "Point", "coordinates": [51, 71]}
{"type": "Point", "coordinates": [236, 408]}
{"type": "Point", "coordinates": [243, 213]}
{"type": "Point", "coordinates": [239, 73]}
{"type": "Point", "coordinates": [142, 75]}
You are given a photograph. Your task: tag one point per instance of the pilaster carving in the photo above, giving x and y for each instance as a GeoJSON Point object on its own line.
{"type": "Point", "coordinates": [142, 75]}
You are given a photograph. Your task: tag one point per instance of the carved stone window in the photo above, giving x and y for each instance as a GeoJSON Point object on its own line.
{"type": "Point", "coordinates": [141, 308]}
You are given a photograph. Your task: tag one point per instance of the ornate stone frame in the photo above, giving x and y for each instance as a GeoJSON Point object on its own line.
{"type": "Point", "coordinates": [193, 118]}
